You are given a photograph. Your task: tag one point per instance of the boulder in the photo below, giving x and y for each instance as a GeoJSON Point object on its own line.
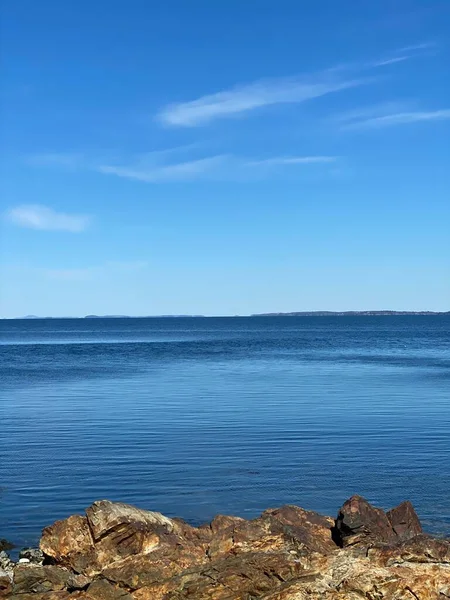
{"type": "Point", "coordinates": [404, 521]}
{"type": "Point", "coordinates": [69, 543]}
{"type": "Point", "coordinates": [309, 529]}
{"type": "Point", "coordinates": [5, 583]}
{"type": "Point", "coordinates": [78, 582]}
{"type": "Point", "coordinates": [29, 578]}
{"type": "Point", "coordinates": [122, 530]}
{"type": "Point", "coordinates": [358, 522]}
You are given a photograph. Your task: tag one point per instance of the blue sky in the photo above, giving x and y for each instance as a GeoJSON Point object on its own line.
{"type": "Point", "coordinates": [224, 157]}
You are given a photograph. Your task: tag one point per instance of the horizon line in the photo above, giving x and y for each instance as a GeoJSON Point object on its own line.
{"type": "Point", "coordinates": [306, 313]}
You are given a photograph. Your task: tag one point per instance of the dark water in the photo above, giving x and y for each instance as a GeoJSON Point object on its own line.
{"type": "Point", "coordinates": [193, 417]}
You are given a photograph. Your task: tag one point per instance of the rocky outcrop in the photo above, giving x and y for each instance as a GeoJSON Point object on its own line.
{"type": "Point", "coordinates": [119, 552]}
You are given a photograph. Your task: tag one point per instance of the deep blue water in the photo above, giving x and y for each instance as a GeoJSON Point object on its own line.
{"type": "Point", "coordinates": [193, 417]}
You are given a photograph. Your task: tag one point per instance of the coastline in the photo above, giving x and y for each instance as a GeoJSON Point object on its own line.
{"type": "Point", "coordinates": [120, 552]}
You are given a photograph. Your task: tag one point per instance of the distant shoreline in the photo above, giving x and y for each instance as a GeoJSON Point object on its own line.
{"type": "Point", "coordinates": [317, 313]}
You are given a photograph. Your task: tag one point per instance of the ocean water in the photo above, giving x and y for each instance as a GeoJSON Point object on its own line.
{"type": "Point", "coordinates": [194, 417]}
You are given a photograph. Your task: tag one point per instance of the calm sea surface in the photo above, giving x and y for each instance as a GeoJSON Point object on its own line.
{"type": "Point", "coordinates": [193, 417]}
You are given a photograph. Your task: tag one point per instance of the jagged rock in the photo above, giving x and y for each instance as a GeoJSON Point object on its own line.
{"type": "Point", "coordinates": [120, 530]}
{"type": "Point", "coordinates": [104, 590]}
{"type": "Point", "coordinates": [6, 564]}
{"type": "Point", "coordinates": [69, 543]}
{"type": "Point", "coordinates": [118, 552]}
{"type": "Point", "coordinates": [308, 528]}
{"type": "Point", "coordinates": [78, 582]}
{"type": "Point", "coordinates": [404, 521]}
{"type": "Point", "coordinates": [289, 527]}
{"type": "Point", "coordinates": [358, 522]}
{"type": "Point", "coordinates": [233, 578]}
{"type": "Point", "coordinates": [30, 578]}
{"type": "Point", "coordinates": [419, 549]}
{"type": "Point", "coordinates": [5, 583]}
{"type": "Point", "coordinates": [34, 555]}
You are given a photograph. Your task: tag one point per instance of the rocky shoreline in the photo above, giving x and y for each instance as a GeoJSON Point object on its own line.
{"type": "Point", "coordinates": [119, 552]}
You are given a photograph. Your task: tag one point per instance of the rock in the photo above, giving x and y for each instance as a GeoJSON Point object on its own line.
{"type": "Point", "coordinates": [5, 583]}
{"type": "Point", "coordinates": [233, 578]}
{"type": "Point", "coordinates": [289, 527]}
{"type": "Point", "coordinates": [69, 543]}
{"type": "Point", "coordinates": [104, 590]}
{"type": "Point", "coordinates": [120, 530]}
{"type": "Point", "coordinates": [29, 578]}
{"type": "Point", "coordinates": [78, 582]}
{"type": "Point", "coordinates": [6, 564]}
{"type": "Point", "coordinates": [45, 596]}
{"type": "Point", "coordinates": [421, 549]}
{"type": "Point", "coordinates": [33, 555]}
{"type": "Point", "coordinates": [308, 528]}
{"type": "Point", "coordinates": [358, 522]}
{"type": "Point", "coordinates": [404, 521]}
{"type": "Point", "coordinates": [118, 552]}
{"type": "Point", "coordinates": [5, 545]}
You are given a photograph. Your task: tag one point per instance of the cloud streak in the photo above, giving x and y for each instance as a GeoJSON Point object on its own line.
{"type": "Point", "coordinates": [292, 160]}
{"type": "Point", "coordinates": [245, 98]}
{"type": "Point", "coordinates": [37, 216]}
{"type": "Point", "coordinates": [182, 171]}
{"type": "Point", "coordinates": [242, 99]}
{"type": "Point", "coordinates": [220, 167]}
{"type": "Point", "coordinates": [377, 121]}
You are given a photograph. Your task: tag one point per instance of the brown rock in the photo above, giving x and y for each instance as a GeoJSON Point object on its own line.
{"type": "Point", "coordinates": [104, 590]}
{"type": "Point", "coordinates": [233, 578]}
{"type": "Point", "coordinates": [78, 582]}
{"type": "Point", "coordinates": [308, 528]}
{"type": "Point", "coordinates": [420, 549]}
{"type": "Point", "coordinates": [404, 521]}
{"type": "Point", "coordinates": [5, 584]}
{"type": "Point", "coordinates": [29, 578]}
{"type": "Point", "coordinates": [69, 543]}
{"type": "Point", "coordinates": [119, 552]}
{"type": "Point", "coordinates": [358, 522]}
{"type": "Point", "coordinates": [120, 530]}
{"type": "Point", "coordinates": [288, 528]}
{"type": "Point", "coordinates": [43, 596]}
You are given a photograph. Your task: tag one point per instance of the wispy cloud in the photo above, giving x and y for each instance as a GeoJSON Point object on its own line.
{"type": "Point", "coordinates": [181, 171]}
{"type": "Point", "coordinates": [375, 118]}
{"type": "Point", "coordinates": [421, 46]}
{"type": "Point", "coordinates": [36, 216]}
{"type": "Point", "coordinates": [390, 61]}
{"type": "Point", "coordinates": [220, 167]}
{"type": "Point", "coordinates": [245, 98]}
{"type": "Point", "coordinates": [292, 160]}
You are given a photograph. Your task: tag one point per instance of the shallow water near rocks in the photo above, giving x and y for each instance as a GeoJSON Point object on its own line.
{"type": "Point", "coordinates": [194, 417]}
